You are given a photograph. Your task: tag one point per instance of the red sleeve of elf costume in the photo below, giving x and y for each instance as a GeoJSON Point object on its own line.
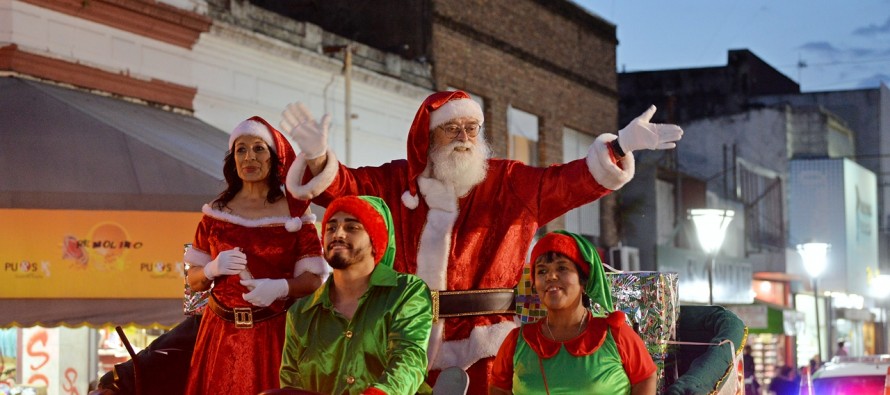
{"type": "Point", "coordinates": [502, 371]}
{"type": "Point", "coordinates": [637, 362]}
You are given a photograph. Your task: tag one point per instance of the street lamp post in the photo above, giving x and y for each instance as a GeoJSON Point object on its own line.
{"type": "Point", "coordinates": [880, 289]}
{"type": "Point", "coordinates": [814, 261]}
{"type": "Point", "coordinates": [710, 227]}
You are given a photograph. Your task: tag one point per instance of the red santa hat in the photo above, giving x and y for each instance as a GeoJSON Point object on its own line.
{"type": "Point", "coordinates": [257, 126]}
{"type": "Point", "coordinates": [436, 110]}
{"type": "Point", "coordinates": [375, 217]}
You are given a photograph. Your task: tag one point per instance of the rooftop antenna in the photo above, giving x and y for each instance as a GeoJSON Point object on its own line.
{"type": "Point", "coordinates": [801, 64]}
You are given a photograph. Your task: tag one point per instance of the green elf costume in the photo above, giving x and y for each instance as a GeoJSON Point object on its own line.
{"type": "Point", "coordinates": [382, 349]}
{"type": "Point", "coordinates": [607, 357]}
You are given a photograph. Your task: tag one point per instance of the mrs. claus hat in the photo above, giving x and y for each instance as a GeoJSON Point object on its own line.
{"type": "Point", "coordinates": [436, 110]}
{"type": "Point", "coordinates": [257, 126]}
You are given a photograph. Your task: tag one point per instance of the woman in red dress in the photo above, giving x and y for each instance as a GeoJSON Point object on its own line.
{"type": "Point", "coordinates": [257, 249]}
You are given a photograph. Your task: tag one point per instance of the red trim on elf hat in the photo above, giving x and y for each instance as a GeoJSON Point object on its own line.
{"type": "Point", "coordinates": [419, 134]}
{"type": "Point", "coordinates": [369, 217]}
{"type": "Point", "coordinates": [563, 244]}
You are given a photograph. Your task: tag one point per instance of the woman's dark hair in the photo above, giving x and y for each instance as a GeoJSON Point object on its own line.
{"type": "Point", "coordinates": [551, 256]}
{"type": "Point", "coordinates": [234, 182]}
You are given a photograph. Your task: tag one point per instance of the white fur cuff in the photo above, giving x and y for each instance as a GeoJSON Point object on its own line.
{"type": "Point", "coordinates": [294, 180]}
{"type": "Point", "coordinates": [313, 264]}
{"type": "Point", "coordinates": [484, 342]}
{"type": "Point", "coordinates": [195, 257]}
{"type": "Point", "coordinates": [604, 171]}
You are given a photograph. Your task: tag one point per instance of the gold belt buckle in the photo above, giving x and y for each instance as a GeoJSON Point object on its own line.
{"type": "Point", "coordinates": [243, 317]}
{"type": "Point", "coordinates": [435, 299]}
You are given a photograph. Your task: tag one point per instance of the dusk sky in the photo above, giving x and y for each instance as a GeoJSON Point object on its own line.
{"type": "Point", "coordinates": [843, 44]}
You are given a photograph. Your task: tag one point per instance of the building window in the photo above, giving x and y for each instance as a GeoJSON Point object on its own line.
{"type": "Point", "coordinates": [760, 190]}
{"type": "Point", "coordinates": [666, 212]}
{"type": "Point", "coordinates": [584, 220]}
{"type": "Point", "coordinates": [523, 130]}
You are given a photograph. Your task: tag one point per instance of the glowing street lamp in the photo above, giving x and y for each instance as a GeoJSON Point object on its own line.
{"type": "Point", "coordinates": [710, 226]}
{"type": "Point", "coordinates": [815, 260]}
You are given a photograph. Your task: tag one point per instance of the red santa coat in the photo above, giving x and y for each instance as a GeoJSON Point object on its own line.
{"type": "Point", "coordinates": [477, 241]}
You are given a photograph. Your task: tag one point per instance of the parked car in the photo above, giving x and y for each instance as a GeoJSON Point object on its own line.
{"type": "Point", "coordinates": [852, 376]}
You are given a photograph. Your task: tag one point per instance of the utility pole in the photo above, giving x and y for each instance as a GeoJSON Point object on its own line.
{"type": "Point", "coordinates": [347, 99]}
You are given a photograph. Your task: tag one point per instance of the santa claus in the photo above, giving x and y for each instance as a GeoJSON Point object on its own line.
{"type": "Point", "coordinates": [464, 221]}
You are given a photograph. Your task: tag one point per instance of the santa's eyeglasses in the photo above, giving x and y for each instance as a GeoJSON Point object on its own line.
{"type": "Point", "coordinates": [452, 129]}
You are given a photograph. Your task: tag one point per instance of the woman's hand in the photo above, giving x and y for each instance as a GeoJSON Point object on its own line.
{"type": "Point", "coordinates": [227, 263]}
{"type": "Point", "coordinates": [264, 291]}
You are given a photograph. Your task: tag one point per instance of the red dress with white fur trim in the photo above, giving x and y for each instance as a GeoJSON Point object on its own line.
{"type": "Point", "coordinates": [247, 361]}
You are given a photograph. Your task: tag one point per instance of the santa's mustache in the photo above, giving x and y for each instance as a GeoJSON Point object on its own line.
{"type": "Point", "coordinates": [461, 146]}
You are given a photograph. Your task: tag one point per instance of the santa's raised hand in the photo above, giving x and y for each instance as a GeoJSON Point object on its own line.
{"type": "Point", "coordinates": [311, 136]}
{"type": "Point", "coordinates": [642, 134]}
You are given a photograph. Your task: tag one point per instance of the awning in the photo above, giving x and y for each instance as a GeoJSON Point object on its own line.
{"type": "Point", "coordinates": [69, 149]}
{"type": "Point", "coordinates": [75, 150]}
{"type": "Point", "coordinates": [90, 312]}
{"type": "Point", "coordinates": [762, 317]}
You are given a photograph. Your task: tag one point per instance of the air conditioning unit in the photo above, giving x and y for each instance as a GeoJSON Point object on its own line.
{"type": "Point", "coordinates": [625, 258]}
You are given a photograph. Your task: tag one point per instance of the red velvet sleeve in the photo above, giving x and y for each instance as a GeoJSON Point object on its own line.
{"type": "Point", "coordinates": [502, 371]}
{"type": "Point", "coordinates": [637, 362]}
{"type": "Point", "coordinates": [308, 241]}
{"type": "Point", "coordinates": [386, 181]}
{"type": "Point", "coordinates": [552, 191]}
{"type": "Point", "coordinates": [202, 242]}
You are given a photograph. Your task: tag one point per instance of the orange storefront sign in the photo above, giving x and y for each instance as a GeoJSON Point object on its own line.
{"type": "Point", "coordinates": [93, 254]}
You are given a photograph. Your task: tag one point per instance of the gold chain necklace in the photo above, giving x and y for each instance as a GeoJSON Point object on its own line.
{"type": "Point", "coordinates": [550, 331]}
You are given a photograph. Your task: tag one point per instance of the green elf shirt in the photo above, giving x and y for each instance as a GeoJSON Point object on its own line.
{"type": "Point", "coordinates": [381, 350]}
{"type": "Point", "coordinates": [606, 358]}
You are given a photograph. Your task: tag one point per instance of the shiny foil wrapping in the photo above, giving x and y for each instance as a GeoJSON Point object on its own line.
{"type": "Point", "coordinates": [650, 300]}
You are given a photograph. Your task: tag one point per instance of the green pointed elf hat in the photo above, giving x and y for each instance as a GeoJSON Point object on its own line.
{"type": "Point", "coordinates": [583, 253]}
{"type": "Point", "coordinates": [374, 215]}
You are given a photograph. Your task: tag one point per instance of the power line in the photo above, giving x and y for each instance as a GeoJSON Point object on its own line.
{"type": "Point", "coordinates": [838, 62]}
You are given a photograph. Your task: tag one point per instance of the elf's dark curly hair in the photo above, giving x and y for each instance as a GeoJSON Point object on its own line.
{"type": "Point", "coordinates": [234, 182]}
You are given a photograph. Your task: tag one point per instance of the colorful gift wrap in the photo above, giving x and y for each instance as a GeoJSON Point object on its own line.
{"type": "Point", "coordinates": [650, 300]}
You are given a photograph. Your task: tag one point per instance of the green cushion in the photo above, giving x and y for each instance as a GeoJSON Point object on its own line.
{"type": "Point", "coordinates": [701, 368]}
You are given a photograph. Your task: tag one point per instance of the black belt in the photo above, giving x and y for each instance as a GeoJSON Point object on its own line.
{"type": "Point", "coordinates": [243, 317]}
{"type": "Point", "coordinates": [448, 304]}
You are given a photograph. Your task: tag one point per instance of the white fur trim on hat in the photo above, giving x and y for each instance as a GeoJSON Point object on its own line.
{"type": "Point", "coordinates": [252, 128]}
{"type": "Point", "coordinates": [294, 179]}
{"type": "Point", "coordinates": [457, 108]}
{"type": "Point", "coordinates": [604, 170]}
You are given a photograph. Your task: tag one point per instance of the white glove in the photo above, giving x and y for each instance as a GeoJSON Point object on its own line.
{"type": "Point", "coordinates": [311, 136]}
{"type": "Point", "coordinates": [641, 134]}
{"type": "Point", "coordinates": [264, 291]}
{"type": "Point", "coordinates": [227, 263]}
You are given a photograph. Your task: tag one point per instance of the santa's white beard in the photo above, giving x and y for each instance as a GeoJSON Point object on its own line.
{"type": "Point", "coordinates": [461, 164]}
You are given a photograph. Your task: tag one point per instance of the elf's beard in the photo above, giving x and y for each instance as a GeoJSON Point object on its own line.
{"type": "Point", "coordinates": [462, 164]}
